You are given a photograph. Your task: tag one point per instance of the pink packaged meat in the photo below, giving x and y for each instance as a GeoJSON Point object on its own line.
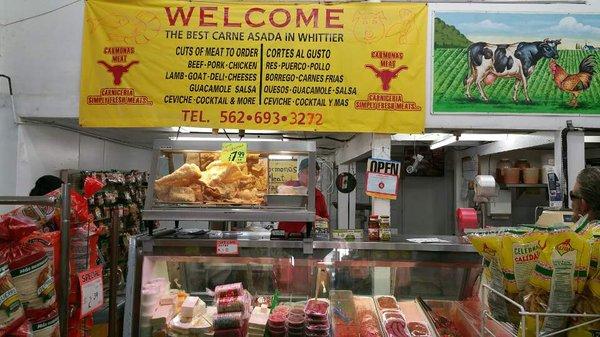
{"type": "Point", "coordinates": [229, 290]}
{"type": "Point", "coordinates": [226, 321]}
{"type": "Point", "coordinates": [396, 328]}
{"type": "Point", "coordinates": [233, 304]}
{"type": "Point", "coordinates": [316, 308]}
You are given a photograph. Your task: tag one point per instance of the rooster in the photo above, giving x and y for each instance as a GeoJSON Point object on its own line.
{"type": "Point", "coordinates": [577, 83]}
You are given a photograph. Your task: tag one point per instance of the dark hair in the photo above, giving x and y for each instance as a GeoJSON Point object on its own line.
{"type": "Point", "coordinates": [304, 165]}
{"type": "Point", "coordinates": [45, 185]}
{"type": "Point", "coordinates": [589, 188]}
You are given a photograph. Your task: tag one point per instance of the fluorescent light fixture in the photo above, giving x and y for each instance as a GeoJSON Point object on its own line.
{"type": "Point", "coordinates": [280, 157]}
{"type": "Point", "coordinates": [234, 138]}
{"type": "Point", "coordinates": [189, 129]}
{"type": "Point", "coordinates": [443, 142]}
{"type": "Point", "coordinates": [483, 137]}
{"type": "Point", "coordinates": [592, 139]}
{"type": "Point", "coordinates": [419, 137]}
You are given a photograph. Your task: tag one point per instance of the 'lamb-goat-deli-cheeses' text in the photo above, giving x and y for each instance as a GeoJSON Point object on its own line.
{"type": "Point", "coordinates": [354, 67]}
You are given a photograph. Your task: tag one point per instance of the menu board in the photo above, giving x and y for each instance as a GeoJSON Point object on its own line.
{"type": "Point", "coordinates": [312, 67]}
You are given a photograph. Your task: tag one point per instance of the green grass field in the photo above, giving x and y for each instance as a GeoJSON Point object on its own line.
{"type": "Point", "coordinates": [450, 69]}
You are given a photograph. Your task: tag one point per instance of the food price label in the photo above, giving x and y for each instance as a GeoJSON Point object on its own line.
{"type": "Point", "coordinates": [382, 186]}
{"type": "Point", "coordinates": [92, 293]}
{"type": "Point", "coordinates": [228, 247]}
{"type": "Point", "coordinates": [234, 152]}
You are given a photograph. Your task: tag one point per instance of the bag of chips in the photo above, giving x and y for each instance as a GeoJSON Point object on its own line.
{"type": "Point", "coordinates": [520, 250]}
{"type": "Point", "coordinates": [22, 331]}
{"type": "Point", "coordinates": [487, 242]}
{"type": "Point", "coordinates": [559, 276]}
{"type": "Point", "coordinates": [12, 314]}
{"type": "Point", "coordinates": [50, 242]}
{"type": "Point", "coordinates": [589, 301]}
{"type": "Point", "coordinates": [29, 266]}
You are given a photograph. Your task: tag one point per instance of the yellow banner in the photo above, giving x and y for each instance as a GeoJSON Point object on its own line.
{"type": "Point", "coordinates": [280, 172]}
{"type": "Point", "coordinates": [354, 67]}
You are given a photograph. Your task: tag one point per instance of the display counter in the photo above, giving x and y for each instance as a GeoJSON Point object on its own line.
{"type": "Point", "coordinates": [405, 268]}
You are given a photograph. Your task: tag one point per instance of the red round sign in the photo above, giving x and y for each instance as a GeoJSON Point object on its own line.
{"type": "Point", "coordinates": [381, 185]}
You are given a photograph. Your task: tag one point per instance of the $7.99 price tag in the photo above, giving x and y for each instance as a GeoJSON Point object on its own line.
{"type": "Point", "coordinates": [228, 247]}
{"type": "Point", "coordinates": [92, 293]}
{"type": "Point", "coordinates": [234, 152]}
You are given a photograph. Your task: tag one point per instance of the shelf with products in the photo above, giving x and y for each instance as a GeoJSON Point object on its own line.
{"type": "Point", "coordinates": [189, 180]}
{"type": "Point", "coordinates": [119, 202]}
{"type": "Point", "coordinates": [295, 272]}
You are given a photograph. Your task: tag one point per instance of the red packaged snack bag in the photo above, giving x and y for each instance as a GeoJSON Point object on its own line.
{"type": "Point", "coordinates": [45, 324]}
{"type": "Point", "coordinates": [51, 245]}
{"type": "Point", "coordinates": [22, 331]}
{"type": "Point", "coordinates": [91, 186]}
{"type": "Point", "coordinates": [79, 209]}
{"type": "Point", "coordinates": [30, 269]}
{"type": "Point", "coordinates": [12, 314]}
{"type": "Point", "coordinates": [14, 228]}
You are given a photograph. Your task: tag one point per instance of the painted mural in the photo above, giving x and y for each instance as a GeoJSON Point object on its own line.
{"type": "Point", "coordinates": [516, 63]}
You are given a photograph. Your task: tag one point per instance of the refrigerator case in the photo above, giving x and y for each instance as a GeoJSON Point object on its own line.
{"type": "Point", "coordinates": [299, 270]}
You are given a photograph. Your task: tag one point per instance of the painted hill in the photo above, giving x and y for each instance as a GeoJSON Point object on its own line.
{"type": "Point", "coordinates": [447, 36]}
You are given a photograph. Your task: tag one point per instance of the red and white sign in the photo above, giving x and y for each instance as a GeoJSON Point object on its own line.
{"type": "Point", "coordinates": [382, 185]}
{"type": "Point", "coordinates": [92, 294]}
{"type": "Point", "coordinates": [228, 247]}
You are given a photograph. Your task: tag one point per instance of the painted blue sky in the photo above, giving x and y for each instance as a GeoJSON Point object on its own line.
{"type": "Point", "coordinates": [507, 27]}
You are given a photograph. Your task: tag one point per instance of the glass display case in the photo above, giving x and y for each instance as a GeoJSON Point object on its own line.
{"type": "Point", "coordinates": [295, 272]}
{"type": "Point", "coordinates": [195, 180]}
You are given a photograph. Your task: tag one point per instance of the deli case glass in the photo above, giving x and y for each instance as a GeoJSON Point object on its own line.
{"type": "Point", "coordinates": [356, 281]}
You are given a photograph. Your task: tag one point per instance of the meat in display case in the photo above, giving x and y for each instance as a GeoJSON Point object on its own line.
{"type": "Point", "coordinates": [179, 285]}
{"type": "Point", "coordinates": [192, 180]}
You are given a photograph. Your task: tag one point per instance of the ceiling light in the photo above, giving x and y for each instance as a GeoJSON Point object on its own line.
{"type": "Point", "coordinates": [419, 137]}
{"type": "Point", "coordinates": [280, 157]}
{"type": "Point", "coordinates": [443, 142]}
{"type": "Point", "coordinates": [189, 129]}
{"type": "Point", "coordinates": [483, 137]}
{"type": "Point", "coordinates": [224, 139]}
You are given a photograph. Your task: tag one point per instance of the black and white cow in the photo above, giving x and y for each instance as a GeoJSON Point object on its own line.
{"type": "Point", "coordinates": [489, 61]}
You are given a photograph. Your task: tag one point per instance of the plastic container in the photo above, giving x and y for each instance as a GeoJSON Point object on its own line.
{"type": "Point", "coordinates": [392, 314]}
{"type": "Point", "coordinates": [418, 329]}
{"type": "Point", "coordinates": [386, 302]}
{"type": "Point", "coordinates": [502, 164]}
{"type": "Point", "coordinates": [316, 308]}
{"type": "Point", "coordinates": [373, 228]}
{"type": "Point", "coordinates": [511, 175]}
{"type": "Point", "coordinates": [531, 175]}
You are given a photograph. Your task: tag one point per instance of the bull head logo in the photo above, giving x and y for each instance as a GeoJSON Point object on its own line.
{"type": "Point", "coordinates": [117, 70]}
{"type": "Point", "coordinates": [386, 75]}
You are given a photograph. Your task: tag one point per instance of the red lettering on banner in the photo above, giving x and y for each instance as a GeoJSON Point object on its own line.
{"type": "Point", "coordinates": [288, 18]}
{"type": "Point", "coordinates": [255, 17]}
{"type": "Point", "coordinates": [314, 16]}
{"type": "Point", "coordinates": [204, 15]}
{"type": "Point", "coordinates": [329, 18]}
{"type": "Point", "coordinates": [226, 22]}
{"type": "Point", "coordinates": [250, 11]}
{"type": "Point", "coordinates": [179, 13]}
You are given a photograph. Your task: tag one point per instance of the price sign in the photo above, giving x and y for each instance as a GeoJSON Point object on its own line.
{"type": "Point", "coordinates": [228, 247]}
{"type": "Point", "coordinates": [234, 152]}
{"type": "Point", "coordinates": [381, 185]}
{"type": "Point", "coordinates": [92, 294]}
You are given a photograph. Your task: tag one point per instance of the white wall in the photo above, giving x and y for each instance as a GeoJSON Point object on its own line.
{"type": "Point", "coordinates": [8, 149]}
{"type": "Point", "coordinates": [46, 150]}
